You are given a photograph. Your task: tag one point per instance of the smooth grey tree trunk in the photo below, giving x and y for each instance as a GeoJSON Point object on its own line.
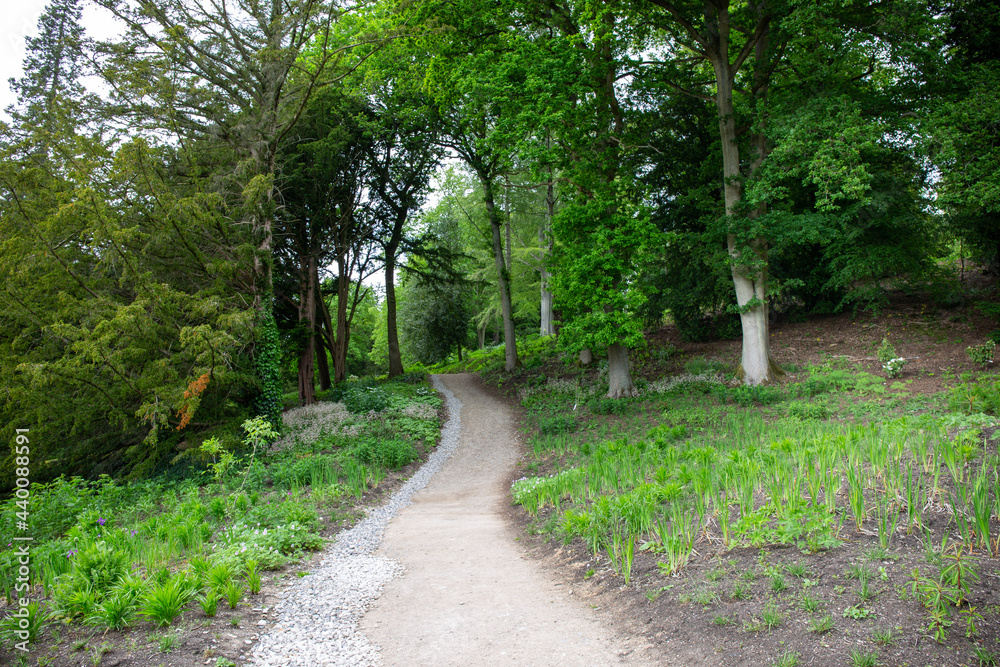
{"type": "Point", "coordinates": [619, 378]}
{"type": "Point", "coordinates": [749, 281]}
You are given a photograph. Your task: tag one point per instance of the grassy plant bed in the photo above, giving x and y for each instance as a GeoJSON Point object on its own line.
{"type": "Point", "coordinates": [187, 571]}
{"type": "Point", "coordinates": [833, 519]}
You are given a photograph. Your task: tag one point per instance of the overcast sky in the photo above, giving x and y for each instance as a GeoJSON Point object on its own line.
{"type": "Point", "coordinates": [18, 19]}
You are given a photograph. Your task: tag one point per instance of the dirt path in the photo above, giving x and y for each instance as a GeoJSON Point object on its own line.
{"type": "Point", "coordinates": [469, 596]}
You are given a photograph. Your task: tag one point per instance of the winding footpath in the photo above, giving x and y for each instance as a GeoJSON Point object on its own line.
{"type": "Point", "coordinates": [448, 585]}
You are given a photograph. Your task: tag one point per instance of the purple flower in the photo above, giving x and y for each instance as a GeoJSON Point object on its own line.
{"type": "Point", "coordinates": [100, 521]}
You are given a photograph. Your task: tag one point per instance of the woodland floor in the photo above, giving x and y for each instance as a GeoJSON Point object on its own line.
{"type": "Point", "coordinates": [693, 618]}
{"type": "Point", "coordinates": [689, 619]}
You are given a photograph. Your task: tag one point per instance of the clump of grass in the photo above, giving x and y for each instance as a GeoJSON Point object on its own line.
{"type": "Point", "coordinates": [209, 602]}
{"type": "Point", "coordinates": [741, 591]}
{"type": "Point", "coordinates": [810, 603]}
{"type": "Point", "coordinates": [35, 622]}
{"type": "Point", "coordinates": [219, 576]}
{"type": "Point", "coordinates": [705, 597]}
{"type": "Point", "coordinates": [797, 570]}
{"type": "Point", "coordinates": [985, 657]}
{"type": "Point", "coordinates": [771, 616]}
{"type": "Point", "coordinates": [861, 658]}
{"type": "Point", "coordinates": [167, 642]}
{"type": "Point", "coordinates": [821, 625]}
{"type": "Point", "coordinates": [234, 593]}
{"type": "Point", "coordinates": [790, 659]}
{"type": "Point", "coordinates": [253, 577]}
{"type": "Point", "coordinates": [164, 603]}
{"type": "Point", "coordinates": [882, 636]}
{"type": "Point", "coordinates": [116, 612]}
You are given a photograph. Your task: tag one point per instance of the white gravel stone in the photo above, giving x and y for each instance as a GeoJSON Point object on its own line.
{"type": "Point", "coordinates": [318, 615]}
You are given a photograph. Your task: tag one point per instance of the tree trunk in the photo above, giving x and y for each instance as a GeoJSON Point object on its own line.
{"type": "Point", "coordinates": [481, 334]}
{"type": "Point", "coordinates": [545, 242]}
{"type": "Point", "coordinates": [307, 313]}
{"type": "Point", "coordinates": [749, 280]}
{"type": "Point", "coordinates": [322, 363]}
{"type": "Point", "coordinates": [503, 279]}
{"type": "Point", "coordinates": [342, 337]}
{"type": "Point", "coordinates": [586, 357]}
{"type": "Point", "coordinates": [506, 224]}
{"type": "Point", "coordinates": [619, 379]}
{"type": "Point", "coordinates": [322, 366]}
{"type": "Point", "coordinates": [392, 334]}
{"type": "Point", "coordinates": [327, 326]}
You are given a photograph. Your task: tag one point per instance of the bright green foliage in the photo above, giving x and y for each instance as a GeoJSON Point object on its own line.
{"type": "Point", "coordinates": [597, 265]}
{"type": "Point", "coordinates": [267, 357]}
{"type": "Point", "coordinates": [87, 330]}
{"type": "Point", "coordinates": [252, 576]}
{"type": "Point", "coordinates": [982, 354]}
{"type": "Point", "coordinates": [165, 602]}
{"type": "Point", "coordinates": [209, 602]}
{"type": "Point", "coordinates": [116, 612]}
{"type": "Point", "coordinates": [389, 454]}
{"type": "Point", "coordinates": [233, 592]}
{"type": "Point", "coordinates": [38, 619]}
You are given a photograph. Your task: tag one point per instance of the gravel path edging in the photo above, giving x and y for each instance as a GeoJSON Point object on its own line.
{"type": "Point", "coordinates": [319, 614]}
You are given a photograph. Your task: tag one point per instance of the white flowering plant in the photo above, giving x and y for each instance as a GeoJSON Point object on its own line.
{"type": "Point", "coordinates": [270, 547]}
{"type": "Point", "coordinates": [894, 367]}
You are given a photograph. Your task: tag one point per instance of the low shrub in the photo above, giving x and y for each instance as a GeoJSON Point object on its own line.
{"type": "Point", "coordinates": [747, 396]}
{"type": "Point", "coordinates": [806, 410]}
{"type": "Point", "coordinates": [607, 406]}
{"type": "Point", "coordinates": [360, 400]}
{"type": "Point", "coordinates": [557, 424]}
{"type": "Point", "coordinates": [386, 453]}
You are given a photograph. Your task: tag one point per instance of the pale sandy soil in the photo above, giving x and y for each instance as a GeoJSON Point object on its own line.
{"type": "Point", "coordinates": [469, 595]}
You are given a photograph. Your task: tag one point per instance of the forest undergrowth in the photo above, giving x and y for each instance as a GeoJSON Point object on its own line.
{"type": "Point", "coordinates": [137, 570]}
{"type": "Point", "coordinates": [848, 515]}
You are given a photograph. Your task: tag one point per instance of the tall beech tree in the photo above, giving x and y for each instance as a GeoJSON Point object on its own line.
{"type": "Point", "coordinates": [752, 60]}
{"type": "Point", "coordinates": [602, 231]}
{"type": "Point", "coordinates": [734, 39]}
